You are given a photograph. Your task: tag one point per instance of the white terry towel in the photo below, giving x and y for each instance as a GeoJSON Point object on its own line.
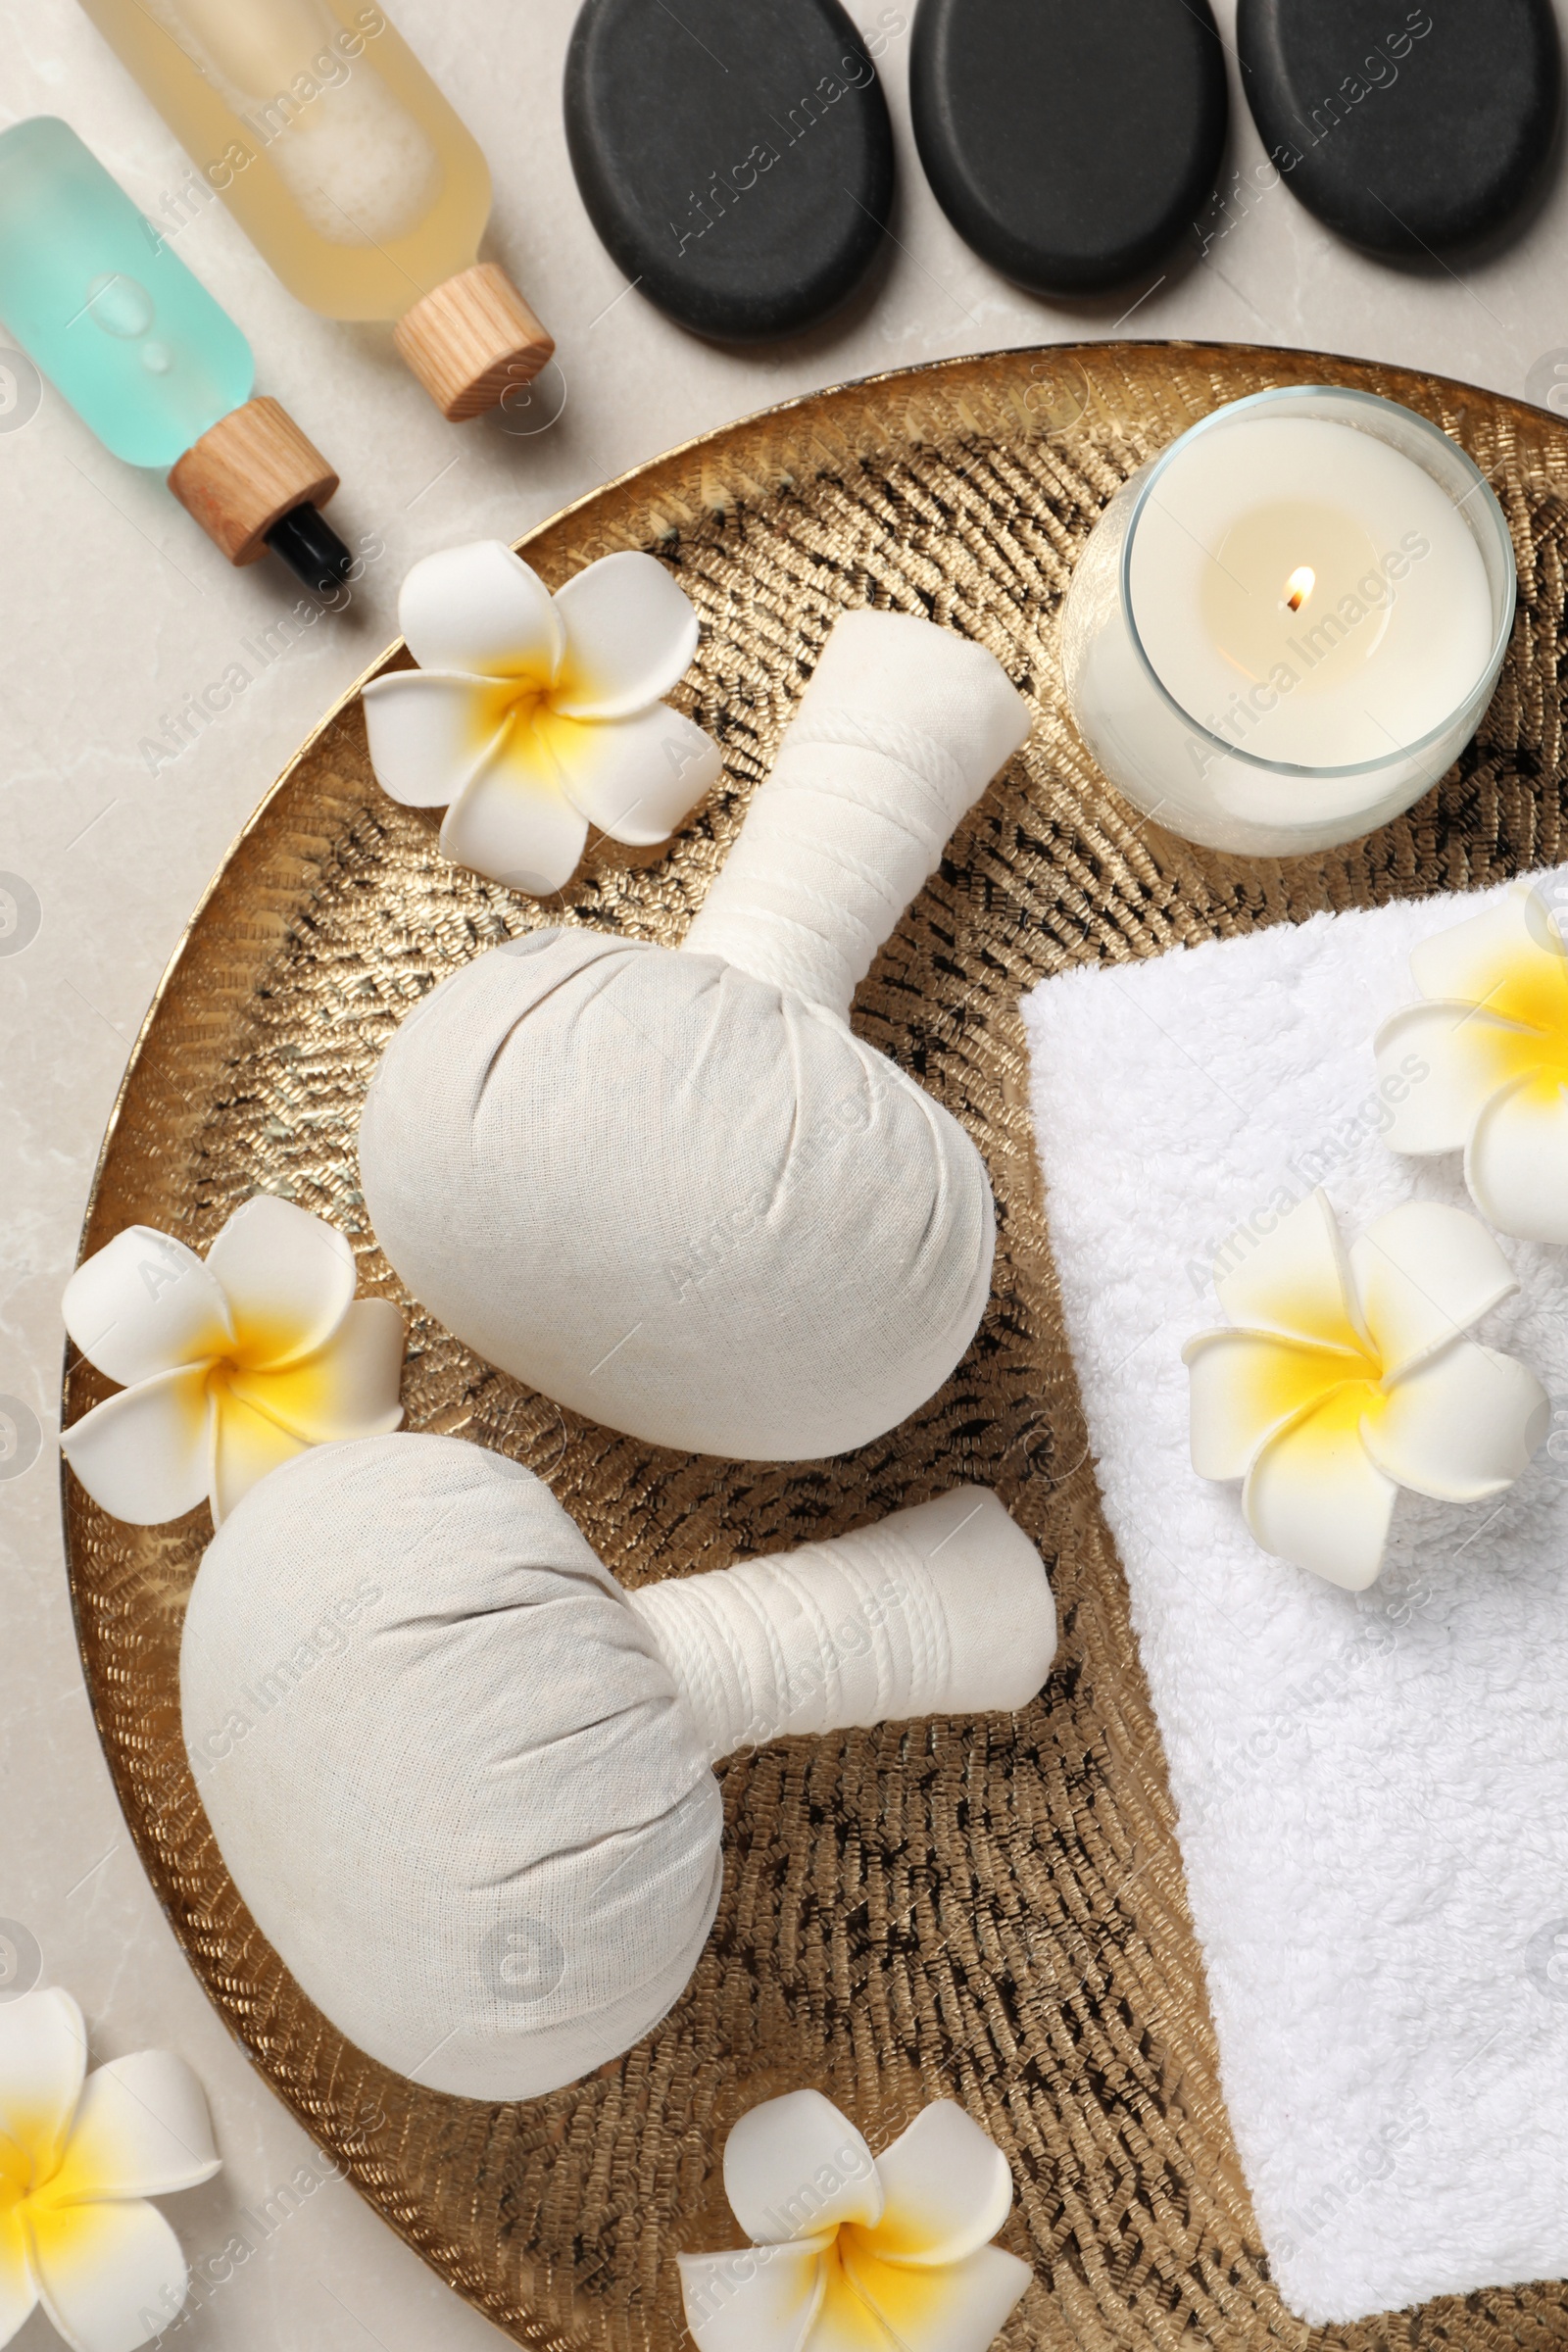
{"type": "Point", "coordinates": [1372, 1788]}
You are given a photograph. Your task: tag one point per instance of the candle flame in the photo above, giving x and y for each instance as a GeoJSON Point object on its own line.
{"type": "Point", "coordinates": [1300, 586]}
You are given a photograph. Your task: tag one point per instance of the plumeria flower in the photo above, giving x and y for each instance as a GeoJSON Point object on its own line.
{"type": "Point", "coordinates": [532, 716]}
{"type": "Point", "coordinates": [1348, 1376]}
{"type": "Point", "coordinates": [79, 2156]}
{"type": "Point", "coordinates": [1492, 1037]}
{"type": "Point", "coordinates": [230, 1367]}
{"type": "Point", "coordinates": [852, 2252]}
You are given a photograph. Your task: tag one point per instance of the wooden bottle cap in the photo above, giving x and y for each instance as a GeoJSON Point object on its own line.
{"type": "Point", "coordinates": [253, 467]}
{"type": "Point", "coordinates": [471, 340]}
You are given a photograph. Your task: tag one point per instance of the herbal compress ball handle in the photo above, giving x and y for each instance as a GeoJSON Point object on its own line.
{"type": "Point", "coordinates": [148, 360]}
{"type": "Point", "coordinates": [897, 734]}
{"type": "Point", "coordinates": [939, 1611]}
{"type": "Point", "coordinates": [462, 1780]}
{"type": "Point", "coordinates": [347, 169]}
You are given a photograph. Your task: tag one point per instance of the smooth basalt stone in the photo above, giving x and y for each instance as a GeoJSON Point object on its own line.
{"type": "Point", "coordinates": [1070, 142]}
{"type": "Point", "coordinates": [1405, 130]}
{"type": "Point", "coordinates": [735, 155]}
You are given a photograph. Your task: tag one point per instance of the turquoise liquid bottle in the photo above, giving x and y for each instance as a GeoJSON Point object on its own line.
{"type": "Point", "coordinates": [147, 359]}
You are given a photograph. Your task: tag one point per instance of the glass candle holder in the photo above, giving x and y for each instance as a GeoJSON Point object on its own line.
{"type": "Point", "coordinates": [1288, 625]}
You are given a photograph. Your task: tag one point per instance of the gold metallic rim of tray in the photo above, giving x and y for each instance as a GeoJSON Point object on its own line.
{"type": "Point", "coordinates": [989, 1910]}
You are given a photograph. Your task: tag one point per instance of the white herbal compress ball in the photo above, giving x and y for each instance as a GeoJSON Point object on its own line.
{"type": "Point", "coordinates": [463, 1781]}
{"type": "Point", "coordinates": [672, 1189]}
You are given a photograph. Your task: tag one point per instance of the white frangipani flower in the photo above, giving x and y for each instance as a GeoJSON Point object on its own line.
{"type": "Point", "coordinates": [1492, 1037]}
{"type": "Point", "coordinates": [79, 2156]}
{"type": "Point", "coordinates": [1348, 1376]}
{"type": "Point", "coordinates": [853, 2252]}
{"type": "Point", "coordinates": [532, 716]}
{"type": "Point", "coordinates": [229, 1367]}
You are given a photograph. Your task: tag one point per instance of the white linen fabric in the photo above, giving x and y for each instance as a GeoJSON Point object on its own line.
{"type": "Point", "coordinates": [463, 1780]}
{"type": "Point", "coordinates": [901, 729]}
{"type": "Point", "coordinates": [672, 1189]}
{"type": "Point", "coordinates": [939, 1611]}
{"type": "Point", "coordinates": [1372, 1788]}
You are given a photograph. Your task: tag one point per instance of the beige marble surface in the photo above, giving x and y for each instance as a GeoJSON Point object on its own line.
{"type": "Point", "coordinates": [114, 610]}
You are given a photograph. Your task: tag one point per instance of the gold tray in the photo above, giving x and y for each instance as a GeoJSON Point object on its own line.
{"type": "Point", "coordinates": [992, 1911]}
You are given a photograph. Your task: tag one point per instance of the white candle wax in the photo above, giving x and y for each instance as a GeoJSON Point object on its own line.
{"type": "Point", "coordinates": [1287, 629]}
{"type": "Point", "coordinates": [1308, 592]}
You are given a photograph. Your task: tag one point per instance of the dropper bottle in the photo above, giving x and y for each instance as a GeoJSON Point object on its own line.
{"type": "Point", "coordinates": [148, 360]}
{"type": "Point", "coordinates": [347, 169]}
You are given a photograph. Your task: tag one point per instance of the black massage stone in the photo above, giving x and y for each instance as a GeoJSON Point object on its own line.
{"type": "Point", "coordinates": [735, 155]}
{"type": "Point", "coordinates": [1404, 129]}
{"type": "Point", "coordinates": [1070, 142]}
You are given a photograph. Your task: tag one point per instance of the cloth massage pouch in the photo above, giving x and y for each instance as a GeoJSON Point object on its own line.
{"type": "Point", "coordinates": [462, 1780]}
{"type": "Point", "coordinates": [671, 1188]}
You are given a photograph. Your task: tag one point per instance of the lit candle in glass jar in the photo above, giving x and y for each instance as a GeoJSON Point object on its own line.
{"type": "Point", "coordinates": [1286, 627]}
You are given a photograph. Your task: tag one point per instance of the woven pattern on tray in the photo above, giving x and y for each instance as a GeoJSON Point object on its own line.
{"type": "Point", "coordinates": [990, 1911]}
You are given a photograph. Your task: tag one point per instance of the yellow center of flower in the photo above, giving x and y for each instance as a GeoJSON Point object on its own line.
{"type": "Point", "coordinates": [845, 2317]}
{"type": "Point", "coordinates": [1527, 989]}
{"type": "Point", "coordinates": [530, 701]}
{"type": "Point", "coordinates": [223, 1377]}
{"type": "Point", "coordinates": [1333, 1389]}
{"type": "Point", "coordinates": [1292, 1372]}
{"type": "Point", "coordinates": [244, 1370]}
{"type": "Point", "coordinates": [260, 1340]}
{"type": "Point", "coordinates": [519, 716]}
{"type": "Point", "coordinates": [292, 1395]}
{"type": "Point", "coordinates": [871, 2303]}
{"type": "Point", "coordinates": [30, 2162]}
{"type": "Point", "coordinates": [1531, 988]}
{"type": "Point", "coordinates": [16, 2174]}
{"type": "Point", "coordinates": [504, 702]}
